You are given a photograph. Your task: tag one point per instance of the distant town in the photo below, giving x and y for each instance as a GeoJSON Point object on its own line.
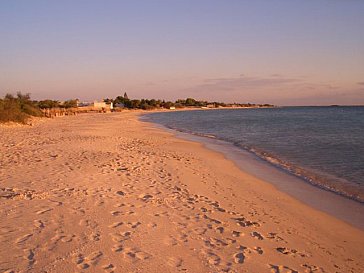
{"type": "Point", "coordinates": [20, 107]}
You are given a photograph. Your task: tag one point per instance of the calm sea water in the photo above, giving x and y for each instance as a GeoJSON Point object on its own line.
{"type": "Point", "coordinates": [322, 145]}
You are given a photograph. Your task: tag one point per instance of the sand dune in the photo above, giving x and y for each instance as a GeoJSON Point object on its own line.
{"type": "Point", "coordinates": [108, 193]}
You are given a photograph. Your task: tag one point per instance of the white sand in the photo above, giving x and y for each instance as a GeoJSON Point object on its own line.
{"type": "Point", "coordinates": [107, 193]}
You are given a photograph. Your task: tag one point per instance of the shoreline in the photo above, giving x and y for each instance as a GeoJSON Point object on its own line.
{"type": "Point", "coordinates": [333, 203]}
{"type": "Point", "coordinates": [325, 182]}
{"type": "Point", "coordinates": [109, 193]}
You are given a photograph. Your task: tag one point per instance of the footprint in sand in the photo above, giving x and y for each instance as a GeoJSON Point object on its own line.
{"type": "Point", "coordinates": [38, 224]}
{"type": "Point", "coordinates": [79, 210]}
{"type": "Point", "coordinates": [67, 238]}
{"type": "Point", "coordinates": [120, 193]}
{"type": "Point", "coordinates": [152, 225]}
{"type": "Point", "coordinates": [135, 254]}
{"type": "Point", "coordinates": [128, 212]}
{"type": "Point", "coordinates": [120, 205]}
{"type": "Point", "coordinates": [257, 235]}
{"type": "Point", "coordinates": [160, 214]}
{"type": "Point", "coordinates": [85, 262]}
{"type": "Point", "coordinates": [117, 248]}
{"type": "Point", "coordinates": [203, 209]}
{"type": "Point", "coordinates": [220, 209]}
{"type": "Point", "coordinates": [43, 211]}
{"type": "Point", "coordinates": [79, 260]}
{"type": "Point", "coordinates": [258, 250]}
{"type": "Point", "coordinates": [281, 269]}
{"type": "Point", "coordinates": [23, 238]}
{"type": "Point", "coordinates": [214, 242]}
{"type": "Point", "coordinates": [94, 257]}
{"type": "Point", "coordinates": [182, 238]}
{"type": "Point", "coordinates": [241, 221]}
{"type": "Point", "coordinates": [99, 203]}
{"type": "Point", "coordinates": [212, 258]}
{"type": "Point", "coordinates": [230, 241]}
{"type": "Point", "coordinates": [200, 231]}
{"type": "Point", "coordinates": [120, 237]}
{"type": "Point", "coordinates": [314, 268]}
{"type": "Point", "coordinates": [126, 233]}
{"type": "Point", "coordinates": [275, 237]}
{"type": "Point", "coordinates": [94, 236]}
{"type": "Point", "coordinates": [170, 241]}
{"type": "Point", "coordinates": [145, 197]}
{"type": "Point", "coordinates": [215, 221]}
{"type": "Point", "coordinates": [29, 256]}
{"type": "Point", "coordinates": [116, 224]}
{"type": "Point", "coordinates": [239, 258]}
{"type": "Point", "coordinates": [134, 224]}
{"type": "Point", "coordinates": [174, 262]}
{"type": "Point", "coordinates": [236, 233]}
{"type": "Point", "coordinates": [220, 229]}
{"type": "Point", "coordinates": [115, 213]}
{"type": "Point", "coordinates": [110, 268]}
{"type": "Point", "coordinates": [291, 252]}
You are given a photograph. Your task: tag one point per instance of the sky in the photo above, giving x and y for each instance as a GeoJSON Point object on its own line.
{"type": "Point", "coordinates": [285, 52]}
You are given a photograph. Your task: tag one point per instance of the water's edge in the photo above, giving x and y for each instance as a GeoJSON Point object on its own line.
{"type": "Point", "coordinates": [333, 203]}
{"type": "Point", "coordinates": [278, 163]}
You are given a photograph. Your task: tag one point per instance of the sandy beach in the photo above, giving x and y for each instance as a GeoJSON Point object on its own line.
{"type": "Point", "coordinates": [109, 193]}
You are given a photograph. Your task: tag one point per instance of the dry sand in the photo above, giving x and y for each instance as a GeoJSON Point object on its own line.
{"type": "Point", "coordinates": [108, 193]}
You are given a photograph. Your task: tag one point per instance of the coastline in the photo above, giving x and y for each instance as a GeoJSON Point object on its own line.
{"type": "Point", "coordinates": [297, 162]}
{"type": "Point", "coordinates": [109, 193]}
{"type": "Point", "coordinates": [333, 203]}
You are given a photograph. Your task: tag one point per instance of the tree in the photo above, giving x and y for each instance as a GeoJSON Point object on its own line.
{"type": "Point", "coordinates": [126, 96]}
{"type": "Point", "coordinates": [70, 104]}
{"type": "Point", "coordinates": [168, 104]}
{"type": "Point", "coordinates": [46, 104]}
{"type": "Point", "coordinates": [153, 103]}
{"type": "Point", "coordinates": [108, 101]}
{"type": "Point", "coordinates": [190, 102]}
{"type": "Point", "coordinates": [23, 98]}
{"type": "Point", "coordinates": [133, 104]}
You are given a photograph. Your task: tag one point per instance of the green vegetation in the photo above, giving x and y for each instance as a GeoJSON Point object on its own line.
{"type": "Point", "coordinates": [146, 104]}
{"type": "Point", "coordinates": [48, 104]}
{"type": "Point", "coordinates": [18, 109]}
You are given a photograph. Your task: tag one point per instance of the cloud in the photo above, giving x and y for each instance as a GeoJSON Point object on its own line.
{"type": "Point", "coordinates": [276, 89]}
{"type": "Point", "coordinates": [244, 82]}
{"type": "Point", "coordinates": [342, 96]}
{"type": "Point", "coordinates": [360, 83]}
{"type": "Point", "coordinates": [274, 83]}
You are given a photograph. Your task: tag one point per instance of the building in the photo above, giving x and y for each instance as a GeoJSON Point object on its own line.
{"type": "Point", "coordinates": [96, 106]}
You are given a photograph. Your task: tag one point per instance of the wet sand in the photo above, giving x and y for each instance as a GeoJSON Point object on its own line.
{"type": "Point", "coordinates": [109, 193]}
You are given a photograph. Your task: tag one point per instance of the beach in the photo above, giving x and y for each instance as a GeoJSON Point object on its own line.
{"type": "Point", "coordinates": [110, 193]}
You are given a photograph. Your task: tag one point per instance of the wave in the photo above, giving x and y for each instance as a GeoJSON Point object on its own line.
{"type": "Point", "coordinates": [323, 181]}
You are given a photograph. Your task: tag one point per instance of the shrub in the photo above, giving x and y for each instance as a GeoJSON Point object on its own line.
{"type": "Point", "coordinates": [10, 111]}
{"type": "Point", "coordinates": [17, 109]}
{"type": "Point", "coordinates": [46, 104]}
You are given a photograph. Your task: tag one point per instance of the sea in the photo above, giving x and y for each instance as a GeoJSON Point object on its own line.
{"type": "Point", "coordinates": [323, 146]}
